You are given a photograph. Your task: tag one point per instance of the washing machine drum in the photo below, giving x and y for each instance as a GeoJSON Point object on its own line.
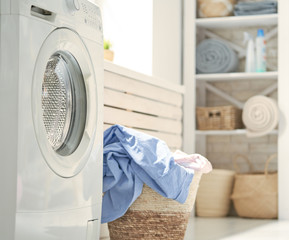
{"type": "Point", "coordinates": [64, 102]}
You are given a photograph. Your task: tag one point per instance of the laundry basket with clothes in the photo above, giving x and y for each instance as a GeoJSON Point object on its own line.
{"type": "Point", "coordinates": [137, 165]}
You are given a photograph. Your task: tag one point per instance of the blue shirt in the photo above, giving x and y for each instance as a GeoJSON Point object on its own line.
{"type": "Point", "coordinates": [132, 158]}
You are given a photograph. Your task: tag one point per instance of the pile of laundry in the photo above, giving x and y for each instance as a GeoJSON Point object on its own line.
{"type": "Point", "coordinates": [132, 159]}
{"type": "Point", "coordinates": [255, 8]}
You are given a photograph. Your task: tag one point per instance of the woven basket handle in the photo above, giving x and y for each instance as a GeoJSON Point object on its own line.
{"type": "Point", "coordinates": [214, 113]}
{"type": "Point", "coordinates": [271, 157]}
{"type": "Point", "coordinates": [237, 167]}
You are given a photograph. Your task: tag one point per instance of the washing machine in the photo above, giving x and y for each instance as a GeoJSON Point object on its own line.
{"type": "Point", "coordinates": [51, 98]}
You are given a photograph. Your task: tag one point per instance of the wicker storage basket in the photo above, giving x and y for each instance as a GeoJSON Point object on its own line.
{"type": "Point", "coordinates": [154, 217]}
{"type": "Point", "coordinates": [219, 118]}
{"type": "Point", "coordinates": [215, 8]}
{"type": "Point", "coordinates": [213, 199]}
{"type": "Point", "coordinates": [255, 195]}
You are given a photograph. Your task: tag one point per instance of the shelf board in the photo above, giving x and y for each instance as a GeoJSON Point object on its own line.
{"type": "Point", "coordinates": [238, 21]}
{"type": "Point", "coordinates": [227, 132]}
{"type": "Point", "coordinates": [236, 76]}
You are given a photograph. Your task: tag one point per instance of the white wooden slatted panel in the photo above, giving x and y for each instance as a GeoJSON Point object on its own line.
{"type": "Point", "coordinates": [172, 140]}
{"type": "Point", "coordinates": [139, 104]}
{"type": "Point", "coordinates": [122, 83]}
{"type": "Point", "coordinates": [132, 119]}
{"type": "Point", "coordinates": [106, 126]}
{"type": "Point", "coordinates": [143, 106]}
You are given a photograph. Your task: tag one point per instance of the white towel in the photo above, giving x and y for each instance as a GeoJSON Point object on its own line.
{"type": "Point", "coordinates": [260, 115]}
{"type": "Point", "coordinates": [194, 161]}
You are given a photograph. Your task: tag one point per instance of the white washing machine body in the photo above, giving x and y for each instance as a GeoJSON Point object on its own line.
{"type": "Point", "coordinates": [51, 99]}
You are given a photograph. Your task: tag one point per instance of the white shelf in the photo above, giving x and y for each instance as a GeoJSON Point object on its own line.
{"type": "Point", "coordinates": [236, 76]}
{"type": "Point", "coordinates": [227, 132]}
{"type": "Point", "coordinates": [238, 21]}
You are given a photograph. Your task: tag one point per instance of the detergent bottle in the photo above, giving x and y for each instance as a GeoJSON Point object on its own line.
{"type": "Point", "coordinates": [250, 53]}
{"type": "Point", "coordinates": [260, 51]}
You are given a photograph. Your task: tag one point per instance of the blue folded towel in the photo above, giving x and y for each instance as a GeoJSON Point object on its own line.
{"type": "Point", "coordinates": [256, 8]}
{"type": "Point", "coordinates": [131, 158]}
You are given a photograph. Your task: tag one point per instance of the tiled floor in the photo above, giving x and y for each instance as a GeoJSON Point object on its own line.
{"type": "Point", "coordinates": [236, 229]}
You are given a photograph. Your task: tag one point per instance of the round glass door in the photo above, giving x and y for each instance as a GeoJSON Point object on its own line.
{"type": "Point", "coordinates": [63, 103]}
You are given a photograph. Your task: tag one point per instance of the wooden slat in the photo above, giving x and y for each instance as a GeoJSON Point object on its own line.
{"type": "Point", "coordinates": [121, 83]}
{"type": "Point", "coordinates": [139, 104]}
{"type": "Point", "coordinates": [173, 141]}
{"type": "Point", "coordinates": [106, 126]}
{"type": "Point", "coordinates": [118, 116]}
{"type": "Point", "coordinates": [151, 80]}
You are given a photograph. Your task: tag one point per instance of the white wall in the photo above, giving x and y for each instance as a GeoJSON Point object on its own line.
{"type": "Point", "coordinates": [189, 76]}
{"type": "Point", "coordinates": [283, 100]}
{"type": "Point", "coordinates": [167, 39]}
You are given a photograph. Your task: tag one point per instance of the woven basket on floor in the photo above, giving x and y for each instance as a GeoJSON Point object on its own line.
{"type": "Point", "coordinates": [219, 118]}
{"type": "Point", "coordinates": [255, 195]}
{"type": "Point", "coordinates": [154, 217]}
{"type": "Point", "coordinates": [213, 199]}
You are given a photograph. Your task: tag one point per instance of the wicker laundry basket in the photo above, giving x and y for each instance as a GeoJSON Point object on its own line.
{"type": "Point", "coordinates": [219, 118]}
{"type": "Point", "coordinates": [213, 199]}
{"type": "Point", "coordinates": [255, 195]}
{"type": "Point", "coordinates": [154, 217]}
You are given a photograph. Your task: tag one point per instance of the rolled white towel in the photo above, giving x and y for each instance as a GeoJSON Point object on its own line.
{"type": "Point", "coordinates": [260, 115]}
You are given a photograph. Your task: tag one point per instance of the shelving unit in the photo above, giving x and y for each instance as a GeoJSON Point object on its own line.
{"type": "Point", "coordinates": [227, 132]}
{"type": "Point", "coordinates": [208, 27]}
{"type": "Point", "coordinates": [236, 76]}
{"type": "Point", "coordinates": [205, 82]}
{"type": "Point", "coordinates": [278, 24]}
{"type": "Point", "coordinates": [237, 21]}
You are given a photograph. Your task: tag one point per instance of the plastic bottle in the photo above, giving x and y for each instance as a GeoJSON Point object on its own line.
{"type": "Point", "coordinates": [250, 53]}
{"type": "Point", "coordinates": [260, 51]}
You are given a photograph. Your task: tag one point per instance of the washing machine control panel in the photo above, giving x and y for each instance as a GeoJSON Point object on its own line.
{"type": "Point", "coordinates": [87, 13]}
{"type": "Point", "coordinates": [73, 5]}
{"type": "Point", "coordinates": [84, 18]}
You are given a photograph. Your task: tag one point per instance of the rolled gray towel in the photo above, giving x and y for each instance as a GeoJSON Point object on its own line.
{"type": "Point", "coordinates": [215, 56]}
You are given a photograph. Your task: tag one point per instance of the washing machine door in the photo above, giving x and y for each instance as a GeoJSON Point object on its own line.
{"type": "Point", "coordinates": [64, 102]}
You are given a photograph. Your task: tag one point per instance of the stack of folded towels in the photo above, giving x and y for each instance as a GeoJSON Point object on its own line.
{"type": "Point", "coordinates": [255, 8]}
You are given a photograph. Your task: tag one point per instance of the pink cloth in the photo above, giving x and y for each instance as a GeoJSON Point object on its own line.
{"type": "Point", "coordinates": [193, 161]}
